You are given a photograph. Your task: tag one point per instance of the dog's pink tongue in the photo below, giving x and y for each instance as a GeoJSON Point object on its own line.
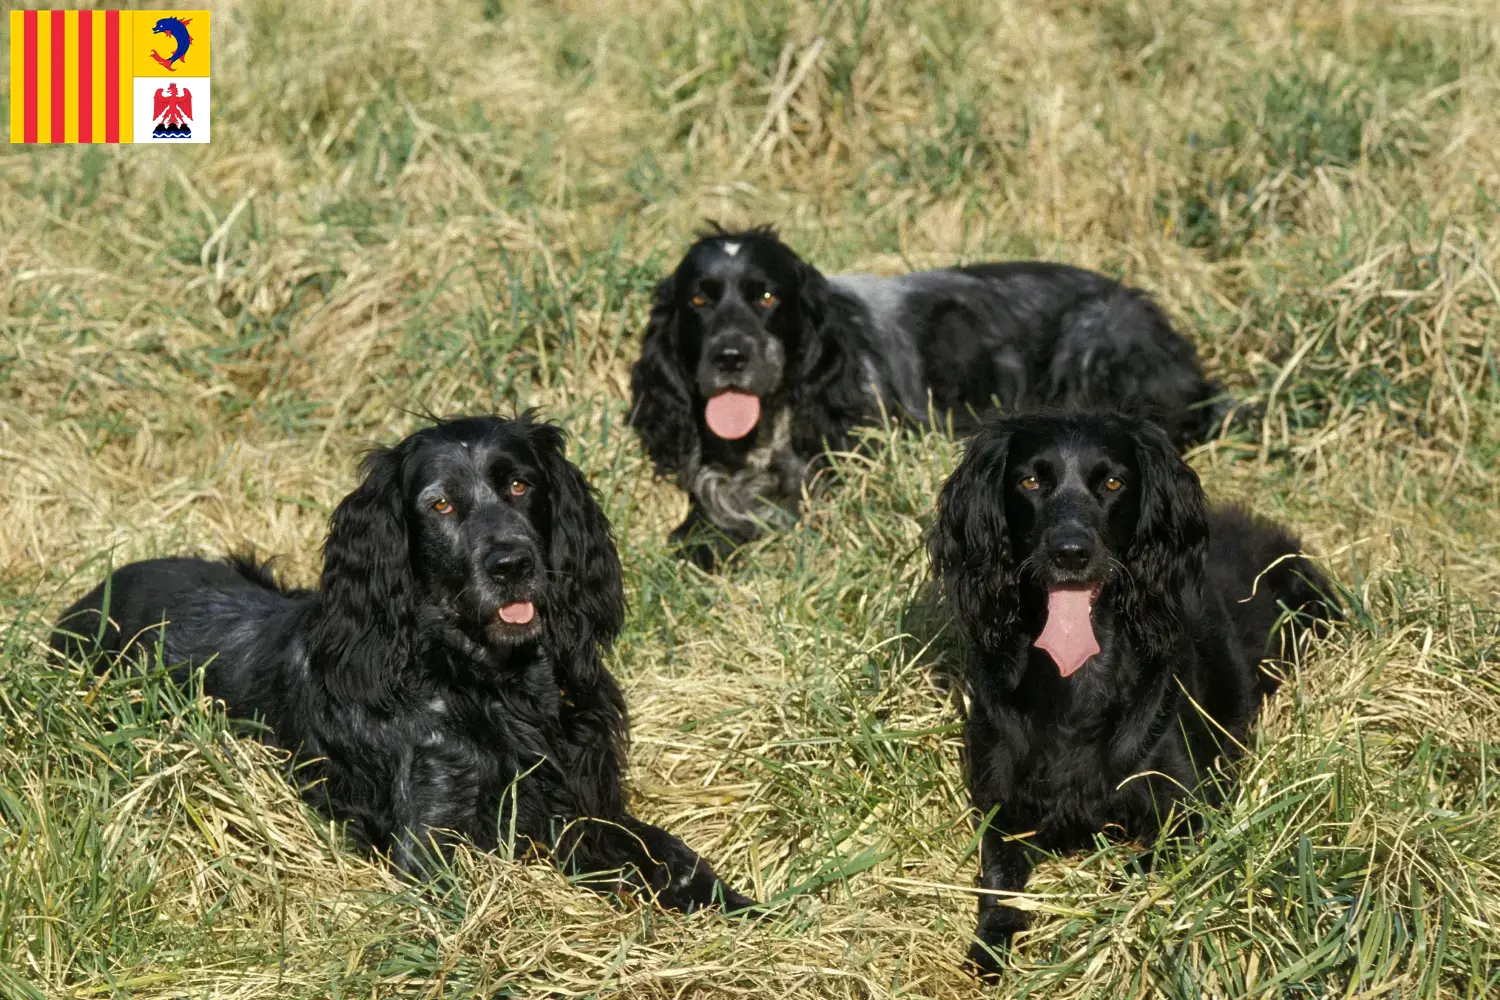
{"type": "Point", "coordinates": [732, 415]}
{"type": "Point", "coordinates": [518, 613]}
{"type": "Point", "coordinates": [1068, 636]}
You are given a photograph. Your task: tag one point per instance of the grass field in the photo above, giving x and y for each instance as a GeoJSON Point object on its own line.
{"type": "Point", "coordinates": [448, 207]}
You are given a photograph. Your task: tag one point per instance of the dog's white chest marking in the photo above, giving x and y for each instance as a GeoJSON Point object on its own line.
{"type": "Point", "coordinates": [731, 248]}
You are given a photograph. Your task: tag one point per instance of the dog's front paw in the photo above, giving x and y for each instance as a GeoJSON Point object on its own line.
{"type": "Point", "coordinates": [991, 943]}
{"type": "Point", "coordinates": [984, 962]}
{"type": "Point", "coordinates": [701, 554]}
{"type": "Point", "coordinates": [701, 546]}
{"type": "Point", "coordinates": [738, 904]}
{"type": "Point", "coordinates": [704, 889]}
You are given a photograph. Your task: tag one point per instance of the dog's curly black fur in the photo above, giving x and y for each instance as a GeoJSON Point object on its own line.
{"type": "Point", "coordinates": [1188, 602]}
{"type": "Point", "coordinates": [447, 677]}
{"type": "Point", "coordinates": [743, 312]}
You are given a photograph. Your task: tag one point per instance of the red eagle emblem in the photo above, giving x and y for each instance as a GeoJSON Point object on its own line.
{"type": "Point", "coordinates": [172, 110]}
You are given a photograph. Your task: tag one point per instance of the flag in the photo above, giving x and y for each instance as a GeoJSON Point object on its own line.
{"type": "Point", "coordinates": [109, 76]}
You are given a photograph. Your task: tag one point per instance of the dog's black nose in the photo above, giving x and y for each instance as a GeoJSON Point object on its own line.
{"type": "Point", "coordinates": [730, 359]}
{"type": "Point", "coordinates": [508, 561]}
{"type": "Point", "coordinates": [1070, 549]}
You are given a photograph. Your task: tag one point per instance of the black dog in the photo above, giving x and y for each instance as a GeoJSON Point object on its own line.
{"type": "Point", "coordinates": [447, 677]}
{"type": "Point", "coordinates": [753, 363]}
{"type": "Point", "coordinates": [1108, 610]}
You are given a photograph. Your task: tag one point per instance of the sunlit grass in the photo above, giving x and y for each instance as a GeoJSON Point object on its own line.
{"type": "Point", "coordinates": [414, 209]}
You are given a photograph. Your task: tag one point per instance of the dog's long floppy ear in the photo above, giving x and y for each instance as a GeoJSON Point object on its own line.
{"type": "Point", "coordinates": [970, 544]}
{"type": "Point", "coordinates": [812, 301]}
{"type": "Point", "coordinates": [589, 595]}
{"type": "Point", "coordinates": [830, 396]}
{"type": "Point", "coordinates": [362, 638]}
{"type": "Point", "coordinates": [1167, 556]}
{"type": "Point", "coordinates": [585, 611]}
{"type": "Point", "coordinates": [661, 408]}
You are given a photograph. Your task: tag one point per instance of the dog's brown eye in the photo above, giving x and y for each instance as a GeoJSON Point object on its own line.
{"type": "Point", "coordinates": [1114, 485]}
{"type": "Point", "coordinates": [442, 506]}
{"type": "Point", "coordinates": [518, 488]}
{"type": "Point", "coordinates": [767, 300]}
{"type": "Point", "coordinates": [700, 300]}
{"type": "Point", "coordinates": [1030, 483]}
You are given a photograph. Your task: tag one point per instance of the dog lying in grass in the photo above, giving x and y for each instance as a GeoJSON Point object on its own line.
{"type": "Point", "coordinates": [447, 677]}
{"type": "Point", "coordinates": [753, 363]}
{"type": "Point", "coordinates": [1117, 627]}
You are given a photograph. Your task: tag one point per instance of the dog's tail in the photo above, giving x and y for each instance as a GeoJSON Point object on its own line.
{"type": "Point", "coordinates": [259, 572]}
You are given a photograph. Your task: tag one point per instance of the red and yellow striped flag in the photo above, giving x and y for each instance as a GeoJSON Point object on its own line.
{"type": "Point", "coordinates": [85, 75]}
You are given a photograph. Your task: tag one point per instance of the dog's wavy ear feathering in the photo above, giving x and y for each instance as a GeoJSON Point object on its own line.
{"type": "Point", "coordinates": [970, 544]}
{"type": "Point", "coordinates": [661, 409]}
{"type": "Point", "coordinates": [362, 639]}
{"type": "Point", "coordinates": [1166, 557]}
{"type": "Point", "coordinates": [831, 396]}
{"type": "Point", "coordinates": [812, 297]}
{"type": "Point", "coordinates": [585, 566]}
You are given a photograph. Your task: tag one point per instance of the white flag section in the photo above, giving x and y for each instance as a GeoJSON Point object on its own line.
{"type": "Point", "coordinates": [171, 109]}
